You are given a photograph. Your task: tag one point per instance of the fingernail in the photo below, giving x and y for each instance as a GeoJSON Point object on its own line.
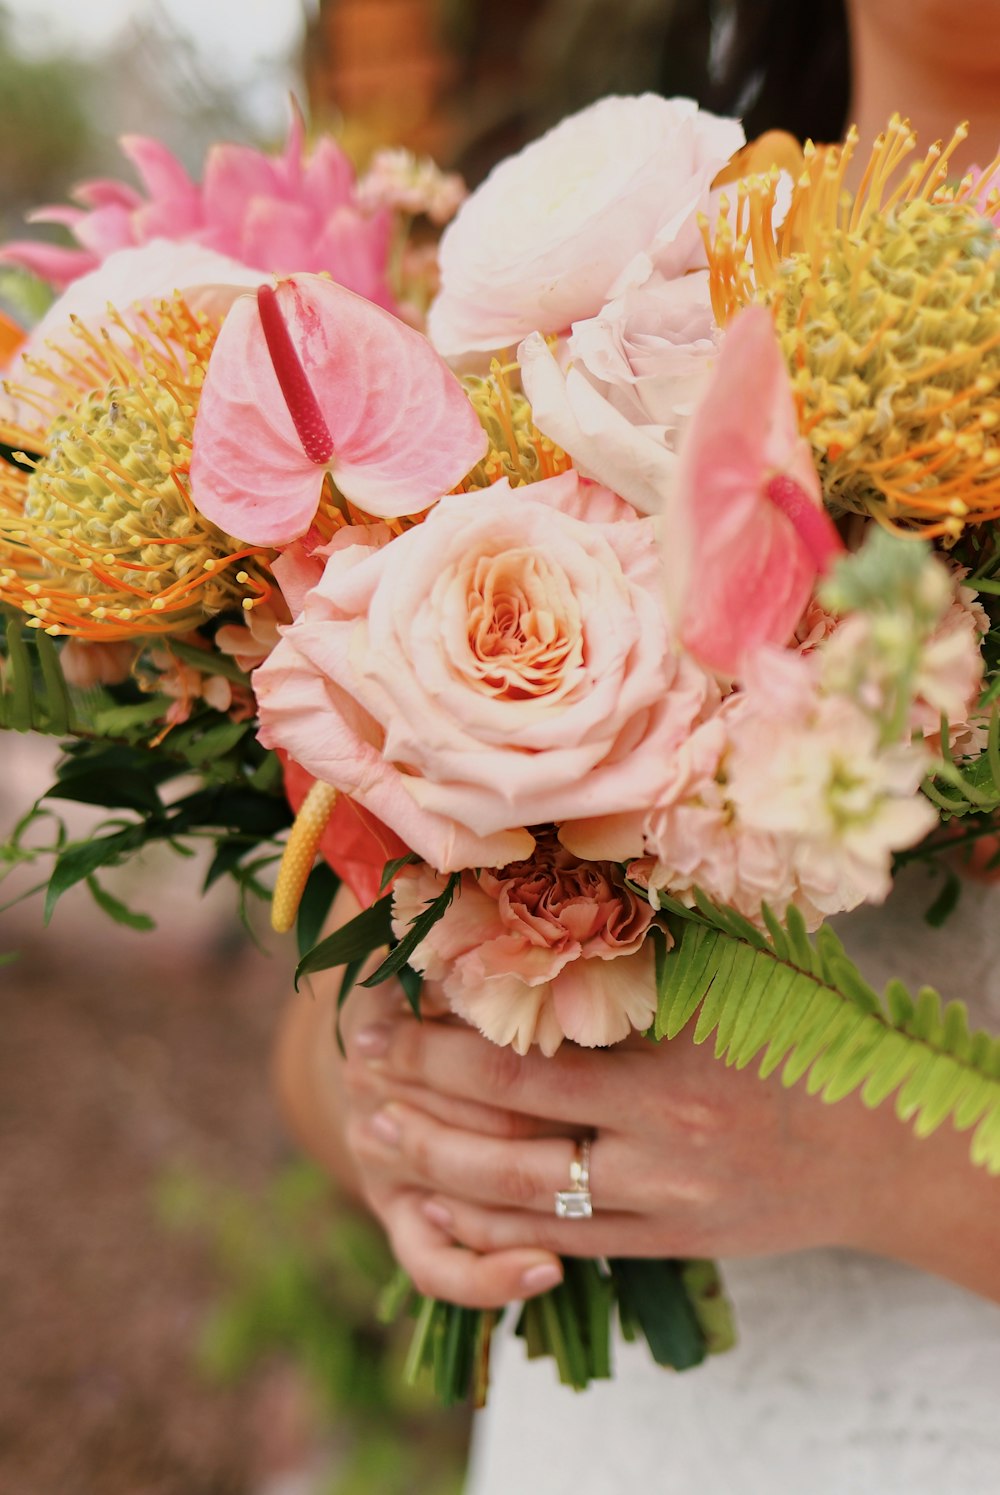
{"type": "Point", "coordinates": [372, 1043]}
{"type": "Point", "coordinates": [385, 1128]}
{"type": "Point", "coordinates": [539, 1279]}
{"type": "Point", "coordinates": [438, 1214]}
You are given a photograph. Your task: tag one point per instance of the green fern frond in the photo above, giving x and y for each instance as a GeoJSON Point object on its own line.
{"type": "Point", "coordinates": [803, 1006]}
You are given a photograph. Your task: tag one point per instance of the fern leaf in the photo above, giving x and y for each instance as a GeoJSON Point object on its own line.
{"type": "Point", "coordinates": [805, 1009]}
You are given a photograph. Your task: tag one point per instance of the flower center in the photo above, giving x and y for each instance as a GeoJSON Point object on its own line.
{"type": "Point", "coordinates": [525, 630]}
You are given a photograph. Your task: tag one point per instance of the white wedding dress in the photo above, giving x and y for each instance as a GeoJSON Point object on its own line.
{"type": "Point", "coordinates": [853, 1376]}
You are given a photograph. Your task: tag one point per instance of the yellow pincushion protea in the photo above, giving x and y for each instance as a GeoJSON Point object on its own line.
{"type": "Point", "coordinates": [518, 451]}
{"type": "Point", "coordinates": [887, 305]}
{"type": "Point", "coordinates": [99, 538]}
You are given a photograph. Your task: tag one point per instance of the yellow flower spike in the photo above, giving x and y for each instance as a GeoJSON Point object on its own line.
{"type": "Point", "coordinates": [887, 306]}
{"type": "Point", "coordinates": [300, 853]}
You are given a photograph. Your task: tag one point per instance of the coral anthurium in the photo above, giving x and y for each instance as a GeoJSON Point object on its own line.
{"type": "Point", "coordinates": [308, 379]}
{"type": "Point", "coordinates": [746, 533]}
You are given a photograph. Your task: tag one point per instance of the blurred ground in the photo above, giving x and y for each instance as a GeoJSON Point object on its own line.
{"type": "Point", "coordinates": [123, 1054]}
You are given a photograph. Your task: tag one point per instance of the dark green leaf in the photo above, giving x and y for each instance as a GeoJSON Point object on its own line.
{"type": "Point", "coordinates": [118, 910]}
{"type": "Point", "coordinates": [115, 789]}
{"type": "Point", "coordinates": [82, 858]}
{"type": "Point", "coordinates": [210, 662]}
{"type": "Point", "coordinates": [391, 868]}
{"type": "Point", "coordinates": [656, 1297]}
{"type": "Point", "coordinates": [228, 855]}
{"type": "Point", "coordinates": [314, 908]}
{"type": "Point", "coordinates": [119, 721]}
{"type": "Point", "coordinates": [413, 984]}
{"type": "Point", "coordinates": [417, 931]}
{"type": "Point", "coordinates": [371, 929]}
{"type": "Point", "coordinates": [9, 956]}
{"type": "Point", "coordinates": [946, 901]}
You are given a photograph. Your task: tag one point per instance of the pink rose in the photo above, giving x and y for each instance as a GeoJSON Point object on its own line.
{"type": "Point", "coordinates": [555, 231]}
{"type": "Point", "coordinates": [624, 384]}
{"type": "Point", "coordinates": [541, 950]}
{"type": "Point", "coordinates": [504, 664]}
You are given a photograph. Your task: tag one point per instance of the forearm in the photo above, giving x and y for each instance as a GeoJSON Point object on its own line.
{"type": "Point", "coordinates": [934, 1210]}
{"type": "Point", "coordinates": [308, 1081]}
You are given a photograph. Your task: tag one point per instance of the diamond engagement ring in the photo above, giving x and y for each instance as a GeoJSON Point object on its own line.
{"type": "Point", "coordinates": [575, 1203]}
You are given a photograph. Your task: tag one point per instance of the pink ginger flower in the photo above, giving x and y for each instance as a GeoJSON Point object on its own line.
{"type": "Point", "coordinates": [277, 214]}
{"type": "Point", "coordinates": [745, 532]}
{"type": "Point", "coordinates": [544, 949]}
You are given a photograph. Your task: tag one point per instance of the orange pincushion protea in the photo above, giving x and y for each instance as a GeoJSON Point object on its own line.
{"type": "Point", "coordinates": [887, 305]}
{"type": "Point", "coordinates": [99, 538]}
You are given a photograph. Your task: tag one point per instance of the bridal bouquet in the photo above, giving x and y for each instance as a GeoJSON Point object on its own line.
{"type": "Point", "coordinates": [605, 588]}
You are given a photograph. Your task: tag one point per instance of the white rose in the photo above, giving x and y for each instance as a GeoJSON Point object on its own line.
{"type": "Point", "coordinates": [557, 230]}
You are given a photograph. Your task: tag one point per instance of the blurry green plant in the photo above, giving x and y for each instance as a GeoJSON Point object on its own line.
{"type": "Point", "coordinates": [302, 1272]}
{"type": "Point", "coordinates": [45, 131]}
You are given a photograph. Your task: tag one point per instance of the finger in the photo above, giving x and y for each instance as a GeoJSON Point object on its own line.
{"type": "Point", "coordinates": [523, 1174]}
{"type": "Point", "coordinates": [441, 1269]}
{"type": "Point", "coordinates": [583, 1087]}
{"type": "Point", "coordinates": [607, 1233]}
{"type": "Point", "coordinates": [372, 1086]}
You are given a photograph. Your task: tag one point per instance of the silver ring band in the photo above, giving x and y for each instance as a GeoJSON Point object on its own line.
{"type": "Point", "coordinates": [575, 1203]}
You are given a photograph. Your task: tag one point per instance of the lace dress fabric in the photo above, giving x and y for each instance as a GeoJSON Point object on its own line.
{"type": "Point", "coordinates": [853, 1376]}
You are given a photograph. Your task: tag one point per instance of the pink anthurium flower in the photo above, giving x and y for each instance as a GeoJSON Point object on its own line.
{"type": "Point", "coordinates": [306, 378]}
{"type": "Point", "coordinates": [745, 534]}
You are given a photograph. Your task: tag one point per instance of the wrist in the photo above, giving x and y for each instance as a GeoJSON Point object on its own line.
{"type": "Point", "coordinates": [926, 1205]}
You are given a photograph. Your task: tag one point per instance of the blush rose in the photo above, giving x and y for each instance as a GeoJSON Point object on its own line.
{"type": "Point", "coordinates": [507, 663]}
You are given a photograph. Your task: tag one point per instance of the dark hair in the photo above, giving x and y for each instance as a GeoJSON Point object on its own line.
{"type": "Point", "coordinates": [781, 64]}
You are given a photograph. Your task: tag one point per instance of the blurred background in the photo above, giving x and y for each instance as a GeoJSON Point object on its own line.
{"type": "Point", "coordinates": [186, 1308]}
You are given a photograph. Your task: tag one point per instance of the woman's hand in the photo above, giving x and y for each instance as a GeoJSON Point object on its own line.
{"type": "Point", "coordinates": [464, 1142]}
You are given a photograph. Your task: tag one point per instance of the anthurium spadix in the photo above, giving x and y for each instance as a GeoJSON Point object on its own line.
{"type": "Point", "coordinates": [307, 378]}
{"type": "Point", "coordinates": [745, 533]}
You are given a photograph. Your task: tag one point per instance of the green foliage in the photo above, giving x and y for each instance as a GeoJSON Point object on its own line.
{"type": "Point", "coordinates": [301, 1273]}
{"type": "Point", "coordinates": [33, 694]}
{"type": "Point", "coordinates": [803, 1005]}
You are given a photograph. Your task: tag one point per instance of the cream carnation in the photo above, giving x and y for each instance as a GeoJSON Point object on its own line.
{"type": "Point", "coordinates": [786, 796]}
{"type": "Point", "coordinates": [504, 664]}
{"type": "Point", "coordinates": [557, 230]}
{"type": "Point", "coordinates": [544, 949]}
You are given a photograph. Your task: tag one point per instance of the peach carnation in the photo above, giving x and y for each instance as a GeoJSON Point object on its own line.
{"type": "Point", "coordinates": [541, 950]}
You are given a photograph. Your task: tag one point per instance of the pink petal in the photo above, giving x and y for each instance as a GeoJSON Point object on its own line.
{"type": "Point", "coordinates": [353, 250]}
{"type": "Point", "coordinates": [234, 176]}
{"type": "Point", "coordinates": [162, 174]}
{"type": "Point", "coordinates": [105, 192]}
{"type": "Point", "coordinates": [742, 551]}
{"type": "Point", "coordinates": [329, 177]}
{"type": "Point", "coordinates": [288, 165]}
{"type": "Point", "coordinates": [599, 1002]}
{"type": "Point", "coordinates": [48, 261]}
{"type": "Point", "coordinates": [105, 230]}
{"type": "Point", "coordinates": [367, 396]}
{"type": "Point", "coordinates": [273, 235]}
{"type": "Point", "coordinates": [55, 213]}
